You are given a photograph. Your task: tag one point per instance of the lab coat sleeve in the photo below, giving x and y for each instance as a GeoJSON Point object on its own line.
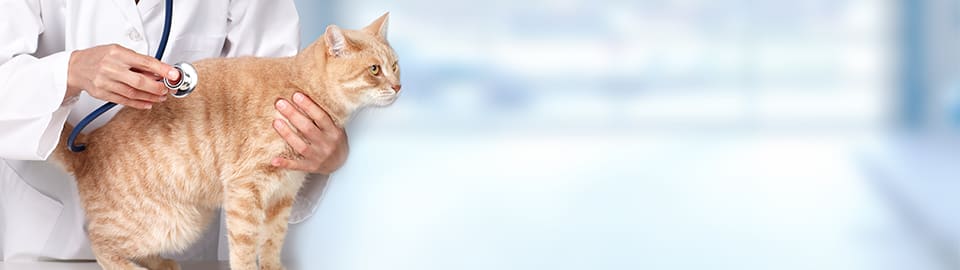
{"type": "Point", "coordinates": [262, 28]}
{"type": "Point", "coordinates": [32, 89]}
{"type": "Point", "coordinates": [308, 198]}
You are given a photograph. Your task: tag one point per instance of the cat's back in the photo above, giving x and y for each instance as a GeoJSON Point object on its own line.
{"type": "Point", "coordinates": [231, 108]}
{"type": "Point", "coordinates": [215, 127]}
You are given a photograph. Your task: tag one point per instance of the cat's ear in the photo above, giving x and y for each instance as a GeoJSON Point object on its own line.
{"type": "Point", "coordinates": [379, 26]}
{"type": "Point", "coordinates": [336, 42]}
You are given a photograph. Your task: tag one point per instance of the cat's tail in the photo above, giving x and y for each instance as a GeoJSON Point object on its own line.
{"type": "Point", "coordinates": [62, 155]}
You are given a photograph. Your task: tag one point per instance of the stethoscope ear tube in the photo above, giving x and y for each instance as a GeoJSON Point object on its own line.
{"type": "Point", "coordinates": [187, 82]}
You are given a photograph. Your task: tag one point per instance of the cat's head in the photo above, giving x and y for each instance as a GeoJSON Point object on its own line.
{"type": "Point", "coordinates": [360, 66]}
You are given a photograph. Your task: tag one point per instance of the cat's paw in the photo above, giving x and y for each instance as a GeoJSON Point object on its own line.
{"type": "Point", "coordinates": [161, 264]}
{"type": "Point", "coordinates": [169, 265]}
{"type": "Point", "coordinates": [266, 265]}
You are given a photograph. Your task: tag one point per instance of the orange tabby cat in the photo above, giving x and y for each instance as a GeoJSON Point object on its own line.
{"type": "Point", "coordinates": [152, 180]}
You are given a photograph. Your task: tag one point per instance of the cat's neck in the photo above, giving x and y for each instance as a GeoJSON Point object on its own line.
{"type": "Point", "coordinates": [338, 112]}
{"type": "Point", "coordinates": [311, 82]}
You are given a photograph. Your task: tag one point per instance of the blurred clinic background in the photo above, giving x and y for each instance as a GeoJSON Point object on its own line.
{"type": "Point", "coordinates": [651, 134]}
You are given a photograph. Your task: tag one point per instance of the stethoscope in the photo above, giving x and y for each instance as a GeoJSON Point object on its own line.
{"type": "Point", "coordinates": [184, 86]}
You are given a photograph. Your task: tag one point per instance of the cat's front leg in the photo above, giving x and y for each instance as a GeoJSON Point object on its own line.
{"type": "Point", "coordinates": [275, 230]}
{"type": "Point", "coordinates": [244, 218]}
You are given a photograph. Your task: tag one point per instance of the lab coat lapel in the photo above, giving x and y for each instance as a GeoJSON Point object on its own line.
{"type": "Point", "coordinates": [131, 13]}
{"type": "Point", "coordinates": [145, 6]}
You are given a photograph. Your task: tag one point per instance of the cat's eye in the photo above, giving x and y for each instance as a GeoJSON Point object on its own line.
{"type": "Point", "coordinates": [394, 66]}
{"type": "Point", "coordinates": [375, 70]}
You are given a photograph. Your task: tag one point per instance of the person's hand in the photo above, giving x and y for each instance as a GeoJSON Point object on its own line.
{"type": "Point", "coordinates": [321, 143]}
{"type": "Point", "coordinates": [120, 75]}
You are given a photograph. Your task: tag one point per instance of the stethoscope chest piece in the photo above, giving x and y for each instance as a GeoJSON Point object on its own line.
{"type": "Point", "coordinates": [188, 80]}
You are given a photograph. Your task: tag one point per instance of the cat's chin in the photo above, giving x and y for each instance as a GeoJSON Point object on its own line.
{"type": "Point", "coordinates": [384, 101]}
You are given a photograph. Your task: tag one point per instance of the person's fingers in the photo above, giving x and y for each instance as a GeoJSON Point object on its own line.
{"type": "Point", "coordinates": [116, 98]}
{"type": "Point", "coordinates": [142, 83]}
{"type": "Point", "coordinates": [173, 75]}
{"type": "Point", "coordinates": [291, 137]}
{"type": "Point", "coordinates": [290, 164]}
{"type": "Point", "coordinates": [133, 93]}
{"type": "Point", "coordinates": [320, 117]}
{"type": "Point", "coordinates": [308, 129]}
{"type": "Point", "coordinates": [152, 65]}
{"type": "Point", "coordinates": [152, 76]}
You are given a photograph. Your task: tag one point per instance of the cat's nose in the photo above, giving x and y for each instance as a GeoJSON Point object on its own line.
{"type": "Point", "coordinates": [396, 88]}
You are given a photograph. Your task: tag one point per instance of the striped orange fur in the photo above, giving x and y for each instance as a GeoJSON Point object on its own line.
{"type": "Point", "coordinates": [151, 180]}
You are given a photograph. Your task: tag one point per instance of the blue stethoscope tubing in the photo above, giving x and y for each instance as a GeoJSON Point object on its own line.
{"type": "Point", "coordinates": [167, 19]}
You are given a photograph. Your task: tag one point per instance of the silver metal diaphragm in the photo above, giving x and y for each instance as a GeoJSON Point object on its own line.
{"type": "Point", "coordinates": [188, 80]}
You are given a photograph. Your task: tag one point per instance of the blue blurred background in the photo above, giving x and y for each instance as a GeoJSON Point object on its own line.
{"type": "Point", "coordinates": [650, 134]}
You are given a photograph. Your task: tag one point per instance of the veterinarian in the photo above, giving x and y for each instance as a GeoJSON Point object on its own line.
{"type": "Point", "coordinates": [61, 59]}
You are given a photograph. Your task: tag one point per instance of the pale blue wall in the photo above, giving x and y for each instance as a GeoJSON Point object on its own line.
{"type": "Point", "coordinates": [314, 17]}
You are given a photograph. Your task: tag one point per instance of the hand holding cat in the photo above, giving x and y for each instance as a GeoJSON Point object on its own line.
{"type": "Point", "coordinates": [322, 144]}
{"type": "Point", "coordinates": [117, 74]}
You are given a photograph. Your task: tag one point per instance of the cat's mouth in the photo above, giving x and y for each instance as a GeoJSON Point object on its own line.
{"type": "Point", "coordinates": [385, 98]}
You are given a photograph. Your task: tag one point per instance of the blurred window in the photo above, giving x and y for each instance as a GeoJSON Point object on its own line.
{"type": "Point", "coordinates": [636, 64]}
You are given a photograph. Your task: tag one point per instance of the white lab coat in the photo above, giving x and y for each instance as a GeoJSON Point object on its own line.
{"type": "Point", "coordinates": [40, 214]}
